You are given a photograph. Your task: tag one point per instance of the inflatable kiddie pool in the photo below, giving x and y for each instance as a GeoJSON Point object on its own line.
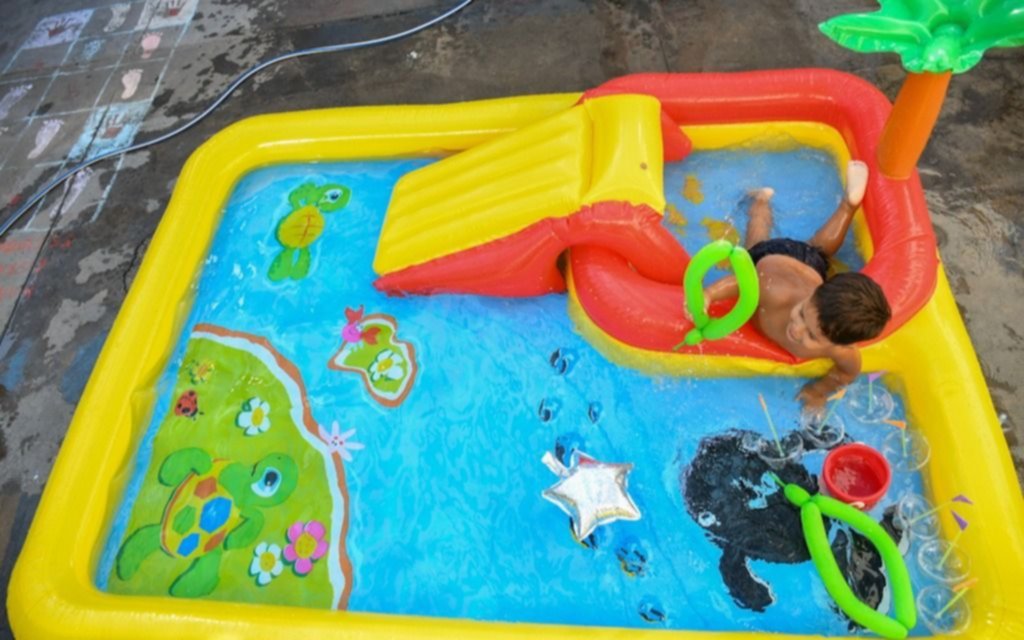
{"type": "Point", "coordinates": [213, 481]}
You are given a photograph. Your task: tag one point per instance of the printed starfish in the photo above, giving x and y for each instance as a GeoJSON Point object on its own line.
{"type": "Point", "coordinates": [593, 493]}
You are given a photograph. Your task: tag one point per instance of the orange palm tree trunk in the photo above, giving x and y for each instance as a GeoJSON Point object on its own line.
{"type": "Point", "coordinates": [911, 122]}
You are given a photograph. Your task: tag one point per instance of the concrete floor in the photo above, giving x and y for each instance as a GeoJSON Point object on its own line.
{"type": "Point", "coordinates": [78, 76]}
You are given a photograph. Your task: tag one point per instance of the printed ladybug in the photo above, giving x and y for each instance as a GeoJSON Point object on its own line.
{"type": "Point", "coordinates": [187, 404]}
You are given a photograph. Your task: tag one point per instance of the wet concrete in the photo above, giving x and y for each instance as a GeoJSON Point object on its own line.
{"type": "Point", "coordinates": [153, 64]}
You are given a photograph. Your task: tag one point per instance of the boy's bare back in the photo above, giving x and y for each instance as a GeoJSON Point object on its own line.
{"type": "Point", "coordinates": [785, 283]}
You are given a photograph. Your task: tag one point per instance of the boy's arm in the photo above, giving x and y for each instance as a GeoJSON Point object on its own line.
{"type": "Point", "coordinates": [722, 289]}
{"type": "Point", "coordinates": [845, 369]}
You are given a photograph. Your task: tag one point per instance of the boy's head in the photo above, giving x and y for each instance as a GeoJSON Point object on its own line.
{"type": "Point", "coordinates": [851, 307]}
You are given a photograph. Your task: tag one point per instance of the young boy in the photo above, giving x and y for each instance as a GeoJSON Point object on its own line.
{"type": "Point", "coordinates": [802, 310]}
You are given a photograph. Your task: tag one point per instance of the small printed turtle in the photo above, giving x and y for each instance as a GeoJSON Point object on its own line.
{"type": "Point", "coordinates": [215, 505]}
{"type": "Point", "coordinates": [303, 226]}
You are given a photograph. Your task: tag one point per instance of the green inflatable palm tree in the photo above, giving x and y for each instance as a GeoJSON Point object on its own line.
{"type": "Point", "coordinates": [935, 39]}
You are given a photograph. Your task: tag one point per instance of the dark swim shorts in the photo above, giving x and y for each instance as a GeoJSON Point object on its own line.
{"type": "Point", "coordinates": [813, 257]}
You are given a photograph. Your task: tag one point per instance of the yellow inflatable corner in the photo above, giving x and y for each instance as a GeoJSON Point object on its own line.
{"type": "Point", "coordinates": [605, 149]}
{"type": "Point", "coordinates": [627, 151]}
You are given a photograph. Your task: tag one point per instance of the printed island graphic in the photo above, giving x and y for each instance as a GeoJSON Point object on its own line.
{"type": "Point", "coordinates": [246, 499]}
{"type": "Point", "coordinates": [371, 348]}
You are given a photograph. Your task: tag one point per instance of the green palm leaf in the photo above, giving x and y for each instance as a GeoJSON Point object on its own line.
{"type": "Point", "coordinates": [919, 10]}
{"type": "Point", "coordinates": [932, 35]}
{"type": "Point", "coordinates": [873, 33]}
{"type": "Point", "coordinates": [1002, 27]}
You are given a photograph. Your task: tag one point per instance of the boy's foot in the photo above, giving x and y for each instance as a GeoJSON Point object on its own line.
{"type": "Point", "coordinates": [856, 182]}
{"type": "Point", "coordinates": [759, 222]}
{"type": "Point", "coordinates": [764, 194]}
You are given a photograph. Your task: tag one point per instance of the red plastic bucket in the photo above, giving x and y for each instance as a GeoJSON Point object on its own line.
{"type": "Point", "coordinates": [857, 475]}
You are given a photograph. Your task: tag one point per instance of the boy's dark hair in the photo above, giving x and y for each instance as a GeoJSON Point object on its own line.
{"type": "Point", "coordinates": [851, 307]}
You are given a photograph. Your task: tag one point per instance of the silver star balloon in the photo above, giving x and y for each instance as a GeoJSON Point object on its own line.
{"type": "Point", "coordinates": [593, 493]}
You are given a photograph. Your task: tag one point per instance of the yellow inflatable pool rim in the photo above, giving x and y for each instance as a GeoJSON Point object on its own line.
{"type": "Point", "coordinates": [53, 594]}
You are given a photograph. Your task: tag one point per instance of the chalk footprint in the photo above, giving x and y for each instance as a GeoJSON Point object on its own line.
{"type": "Point", "coordinates": [150, 42]}
{"type": "Point", "coordinates": [11, 98]}
{"type": "Point", "coordinates": [130, 81]}
{"type": "Point", "coordinates": [45, 136]}
{"type": "Point", "coordinates": [72, 189]}
{"type": "Point", "coordinates": [118, 12]}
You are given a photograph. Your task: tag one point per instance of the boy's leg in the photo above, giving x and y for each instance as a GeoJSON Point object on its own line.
{"type": "Point", "coordinates": [759, 222]}
{"type": "Point", "coordinates": [831, 235]}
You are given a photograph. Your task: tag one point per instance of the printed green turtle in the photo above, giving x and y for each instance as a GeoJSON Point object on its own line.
{"type": "Point", "coordinates": [303, 226]}
{"type": "Point", "coordinates": [215, 505]}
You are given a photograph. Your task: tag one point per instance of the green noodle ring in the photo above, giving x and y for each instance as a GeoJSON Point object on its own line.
{"type": "Point", "coordinates": [706, 327]}
{"type": "Point", "coordinates": [812, 508]}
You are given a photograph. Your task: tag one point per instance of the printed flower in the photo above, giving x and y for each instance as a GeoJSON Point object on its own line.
{"type": "Point", "coordinates": [306, 545]}
{"type": "Point", "coordinates": [340, 442]}
{"type": "Point", "coordinates": [387, 364]}
{"type": "Point", "coordinates": [254, 417]}
{"type": "Point", "coordinates": [200, 372]}
{"type": "Point", "coordinates": [266, 563]}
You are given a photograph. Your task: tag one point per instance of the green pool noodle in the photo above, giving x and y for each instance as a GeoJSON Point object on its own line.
{"type": "Point", "coordinates": [706, 327]}
{"type": "Point", "coordinates": [812, 508]}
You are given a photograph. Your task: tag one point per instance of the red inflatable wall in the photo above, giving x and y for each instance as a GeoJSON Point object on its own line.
{"type": "Point", "coordinates": [648, 314]}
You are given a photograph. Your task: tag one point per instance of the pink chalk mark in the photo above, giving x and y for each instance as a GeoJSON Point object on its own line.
{"type": "Point", "coordinates": [150, 42]}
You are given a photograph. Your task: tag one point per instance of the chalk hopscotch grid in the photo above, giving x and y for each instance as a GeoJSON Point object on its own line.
{"type": "Point", "coordinates": [54, 212]}
{"type": "Point", "coordinates": [150, 18]}
{"type": "Point", "coordinates": [42, 97]}
{"type": "Point", "coordinates": [30, 42]}
{"type": "Point", "coordinates": [155, 20]}
{"type": "Point", "coordinates": [51, 78]}
{"type": "Point", "coordinates": [156, 88]}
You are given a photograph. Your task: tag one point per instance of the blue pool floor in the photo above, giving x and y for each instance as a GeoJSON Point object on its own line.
{"type": "Point", "coordinates": [446, 516]}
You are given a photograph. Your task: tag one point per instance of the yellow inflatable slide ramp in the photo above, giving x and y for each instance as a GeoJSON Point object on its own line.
{"type": "Point", "coordinates": [494, 219]}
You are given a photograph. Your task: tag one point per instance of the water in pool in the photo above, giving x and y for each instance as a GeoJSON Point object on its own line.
{"type": "Point", "coordinates": [317, 443]}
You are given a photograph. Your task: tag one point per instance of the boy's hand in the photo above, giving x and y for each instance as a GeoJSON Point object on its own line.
{"type": "Point", "coordinates": [845, 370]}
{"type": "Point", "coordinates": [812, 399]}
{"type": "Point", "coordinates": [721, 290]}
